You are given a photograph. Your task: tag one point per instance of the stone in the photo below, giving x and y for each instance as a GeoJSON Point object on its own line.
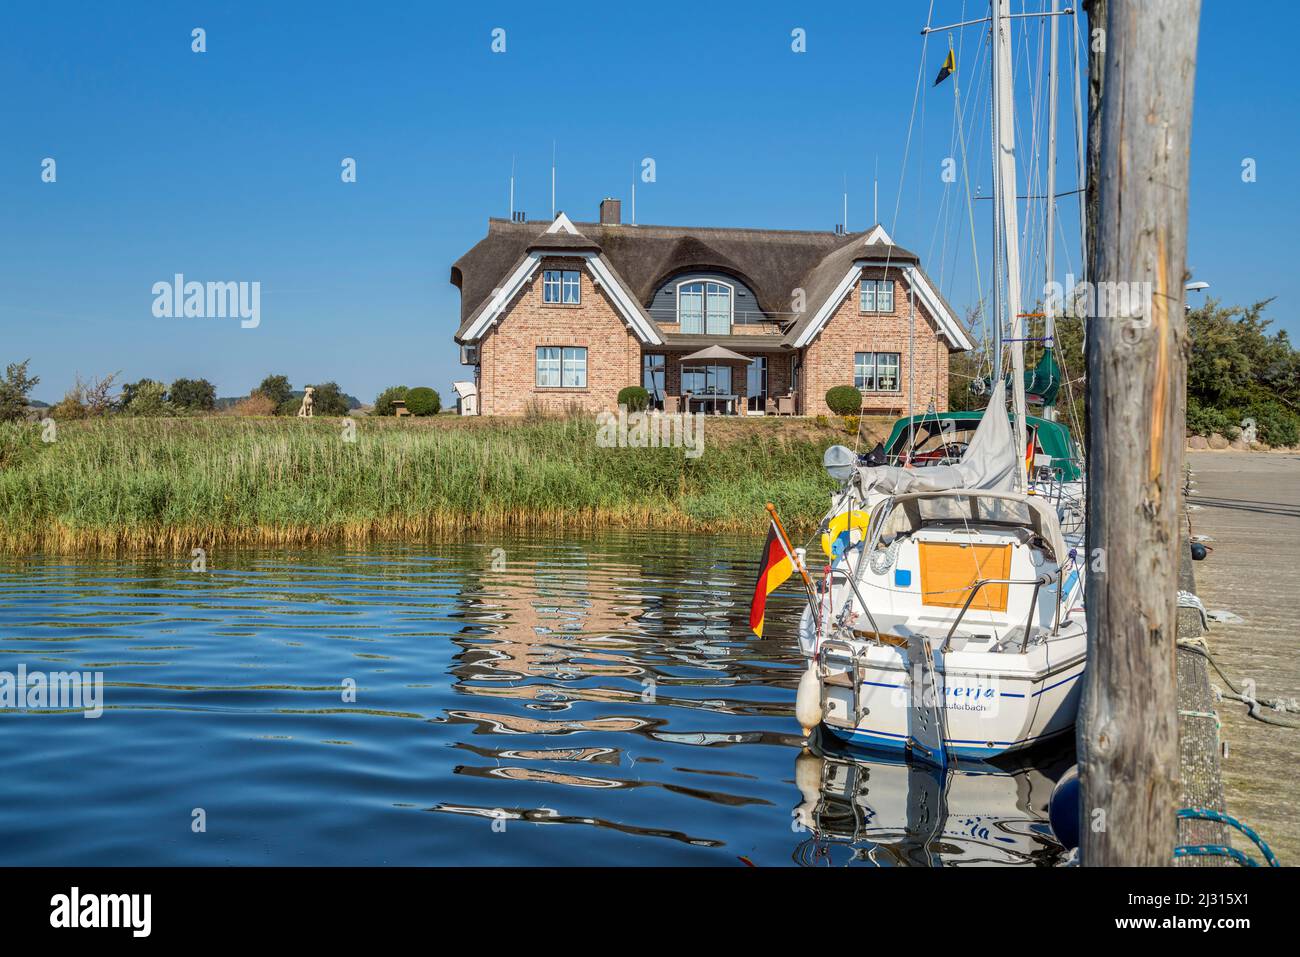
{"type": "Point", "coordinates": [1217, 441]}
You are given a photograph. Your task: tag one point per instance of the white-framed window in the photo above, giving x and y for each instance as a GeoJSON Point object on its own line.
{"type": "Point", "coordinates": [704, 307]}
{"type": "Point", "coordinates": [876, 371]}
{"type": "Point", "coordinates": [561, 367]}
{"type": "Point", "coordinates": [562, 286]}
{"type": "Point", "coordinates": [876, 295]}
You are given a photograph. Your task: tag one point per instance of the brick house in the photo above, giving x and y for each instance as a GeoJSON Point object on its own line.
{"type": "Point", "coordinates": [562, 314]}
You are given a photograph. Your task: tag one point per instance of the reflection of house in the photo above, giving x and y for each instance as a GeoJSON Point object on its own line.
{"type": "Point", "coordinates": [562, 313]}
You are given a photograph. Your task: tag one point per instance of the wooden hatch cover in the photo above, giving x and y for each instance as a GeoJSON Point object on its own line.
{"type": "Point", "coordinates": [950, 569]}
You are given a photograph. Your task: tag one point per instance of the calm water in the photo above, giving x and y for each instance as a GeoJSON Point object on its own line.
{"type": "Point", "coordinates": [564, 700]}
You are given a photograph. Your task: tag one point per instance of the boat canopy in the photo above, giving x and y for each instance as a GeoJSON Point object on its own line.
{"type": "Point", "coordinates": [908, 513]}
{"type": "Point", "coordinates": [1052, 437]}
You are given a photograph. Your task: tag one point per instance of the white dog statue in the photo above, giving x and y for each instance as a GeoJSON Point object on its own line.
{"type": "Point", "coordinates": [304, 412]}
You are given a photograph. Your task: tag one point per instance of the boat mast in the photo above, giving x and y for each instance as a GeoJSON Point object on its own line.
{"type": "Point", "coordinates": [1049, 323]}
{"type": "Point", "coordinates": [1004, 170]}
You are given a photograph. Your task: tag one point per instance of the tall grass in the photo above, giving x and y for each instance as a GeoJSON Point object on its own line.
{"type": "Point", "coordinates": [176, 484]}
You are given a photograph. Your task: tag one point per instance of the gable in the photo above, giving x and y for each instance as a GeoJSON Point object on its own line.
{"type": "Point", "coordinates": [934, 305]}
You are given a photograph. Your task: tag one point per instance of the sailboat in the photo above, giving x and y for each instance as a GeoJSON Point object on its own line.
{"type": "Point", "coordinates": [949, 622]}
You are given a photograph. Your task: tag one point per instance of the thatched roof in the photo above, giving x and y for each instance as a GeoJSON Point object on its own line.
{"type": "Point", "coordinates": [771, 262]}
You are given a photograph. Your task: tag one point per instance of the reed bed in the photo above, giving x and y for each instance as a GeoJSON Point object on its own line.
{"type": "Point", "coordinates": [124, 484]}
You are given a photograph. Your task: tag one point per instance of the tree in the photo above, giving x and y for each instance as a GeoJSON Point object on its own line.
{"type": "Point", "coordinates": [423, 401]}
{"type": "Point", "coordinates": [1237, 370]}
{"type": "Point", "coordinates": [196, 395]}
{"type": "Point", "coordinates": [131, 389]}
{"type": "Point", "coordinates": [384, 401]}
{"type": "Point", "coordinates": [329, 400]}
{"type": "Point", "coordinates": [15, 388]}
{"type": "Point", "coordinates": [148, 398]}
{"type": "Point", "coordinates": [276, 388]}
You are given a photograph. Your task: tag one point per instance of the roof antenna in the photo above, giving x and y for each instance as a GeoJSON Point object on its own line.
{"type": "Point", "coordinates": [875, 195]}
{"type": "Point", "coordinates": [846, 203]}
{"type": "Point", "coordinates": [512, 189]}
{"type": "Point", "coordinates": [552, 180]}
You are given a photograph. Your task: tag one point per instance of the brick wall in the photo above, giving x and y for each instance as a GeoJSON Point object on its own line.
{"type": "Point", "coordinates": [828, 360]}
{"type": "Point", "coordinates": [508, 352]}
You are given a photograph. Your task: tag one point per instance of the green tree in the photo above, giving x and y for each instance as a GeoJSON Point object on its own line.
{"type": "Point", "coordinates": [423, 401]}
{"type": "Point", "coordinates": [15, 388]}
{"type": "Point", "coordinates": [196, 395]}
{"type": "Point", "coordinates": [329, 400]}
{"type": "Point", "coordinates": [130, 390]}
{"type": "Point", "coordinates": [277, 389]}
{"type": "Point", "coordinates": [1239, 370]}
{"type": "Point", "coordinates": [148, 398]}
{"type": "Point", "coordinates": [384, 401]}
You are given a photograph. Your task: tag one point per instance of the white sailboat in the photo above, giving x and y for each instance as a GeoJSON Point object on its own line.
{"type": "Point", "coordinates": [951, 623]}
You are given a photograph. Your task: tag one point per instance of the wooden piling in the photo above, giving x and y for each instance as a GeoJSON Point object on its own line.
{"type": "Point", "coordinates": [1128, 729]}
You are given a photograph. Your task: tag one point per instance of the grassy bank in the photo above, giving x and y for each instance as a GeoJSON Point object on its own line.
{"type": "Point", "coordinates": [176, 484]}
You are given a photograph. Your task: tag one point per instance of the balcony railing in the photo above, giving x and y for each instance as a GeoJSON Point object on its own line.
{"type": "Point", "coordinates": [742, 323]}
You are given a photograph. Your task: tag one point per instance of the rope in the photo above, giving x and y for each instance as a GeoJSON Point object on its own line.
{"type": "Point", "coordinates": [1204, 850]}
{"type": "Point", "coordinates": [1256, 705]}
{"type": "Point", "coordinates": [1187, 600]}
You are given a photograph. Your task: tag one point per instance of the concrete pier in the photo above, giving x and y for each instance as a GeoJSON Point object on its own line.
{"type": "Point", "coordinates": [1249, 503]}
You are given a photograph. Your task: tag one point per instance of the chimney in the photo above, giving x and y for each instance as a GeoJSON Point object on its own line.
{"type": "Point", "coordinates": [611, 212]}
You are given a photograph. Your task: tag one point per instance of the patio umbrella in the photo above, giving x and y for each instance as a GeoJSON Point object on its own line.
{"type": "Point", "coordinates": [716, 353]}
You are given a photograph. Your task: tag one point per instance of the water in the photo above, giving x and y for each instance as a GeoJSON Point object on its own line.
{"type": "Point", "coordinates": [533, 700]}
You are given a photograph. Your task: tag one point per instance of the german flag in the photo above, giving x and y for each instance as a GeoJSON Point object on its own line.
{"type": "Point", "coordinates": [774, 568]}
{"type": "Point", "coordinates": [945, 71]}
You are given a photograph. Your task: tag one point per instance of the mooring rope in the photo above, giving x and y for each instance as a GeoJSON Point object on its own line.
{"type": "Point", "coordinates": [1256, 705]}
{"type": "Point", "coordinates": [1222, 850]}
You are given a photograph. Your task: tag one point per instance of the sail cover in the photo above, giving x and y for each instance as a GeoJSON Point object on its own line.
{"type": "Point", "coordinates": [991, 460]}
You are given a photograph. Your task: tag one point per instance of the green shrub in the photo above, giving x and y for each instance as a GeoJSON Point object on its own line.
{"type": "Point", "coordinates": [1203, 420]}
{"type": "Point", "coordinates": [384, 401]}
{"type": "Point", "coordinates": [634, 397]}
{"type": "Point", "coordinates": [844, 400]}
{"type": "Point", "coordinates": [1274, 423]}
{"type": "Point", "coordinates": [423, 401]}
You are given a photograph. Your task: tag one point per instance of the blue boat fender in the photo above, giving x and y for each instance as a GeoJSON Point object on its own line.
{"type": "Point", "coordinates": [1063, 809]}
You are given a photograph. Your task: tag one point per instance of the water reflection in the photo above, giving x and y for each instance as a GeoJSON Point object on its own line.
{"type": "Point", "coordinates": [883, 811]}
{"type": "Point", "coordinates": [548, 698]}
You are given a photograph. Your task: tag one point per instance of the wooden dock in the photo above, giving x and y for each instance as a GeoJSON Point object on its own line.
{"type": "Point", "coordinates": [1249, 503]}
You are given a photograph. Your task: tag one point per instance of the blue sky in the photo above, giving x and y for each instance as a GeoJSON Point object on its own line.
{"type": "Point", "coordinates": [225, 165]}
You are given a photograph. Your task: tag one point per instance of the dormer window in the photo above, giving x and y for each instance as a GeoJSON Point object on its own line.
{"type": "Point", "coordinates": [876, 295]}
{"type": "Point", "coordinates": [704, 308]}
{"type": "Point", "coordinates": [562, 286]}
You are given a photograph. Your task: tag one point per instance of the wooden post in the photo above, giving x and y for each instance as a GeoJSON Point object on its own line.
{"type": "Point", "coordinates": [1096, 11]}
{"type": "Point", "coordinates": [1137, 370]}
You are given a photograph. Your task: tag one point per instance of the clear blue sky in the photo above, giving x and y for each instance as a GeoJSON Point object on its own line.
{"type": "Point", "coordinates": [225, 165]}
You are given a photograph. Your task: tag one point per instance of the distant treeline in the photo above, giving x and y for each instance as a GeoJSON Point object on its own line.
{"type": "Point", "coordinates": [92, 398]}
{"type": "Point", "coordinates": [1238, 372]}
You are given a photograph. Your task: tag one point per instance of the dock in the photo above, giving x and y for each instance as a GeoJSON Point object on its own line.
{"type": "Point", "coordinates": [1249, 504]}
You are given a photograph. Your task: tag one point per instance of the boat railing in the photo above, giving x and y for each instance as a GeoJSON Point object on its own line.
{"type": "Point", "coordinates": [1043, 579]}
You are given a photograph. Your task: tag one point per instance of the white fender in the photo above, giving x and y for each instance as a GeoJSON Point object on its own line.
{"type": "Point", "coordinates": [808, 701]}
